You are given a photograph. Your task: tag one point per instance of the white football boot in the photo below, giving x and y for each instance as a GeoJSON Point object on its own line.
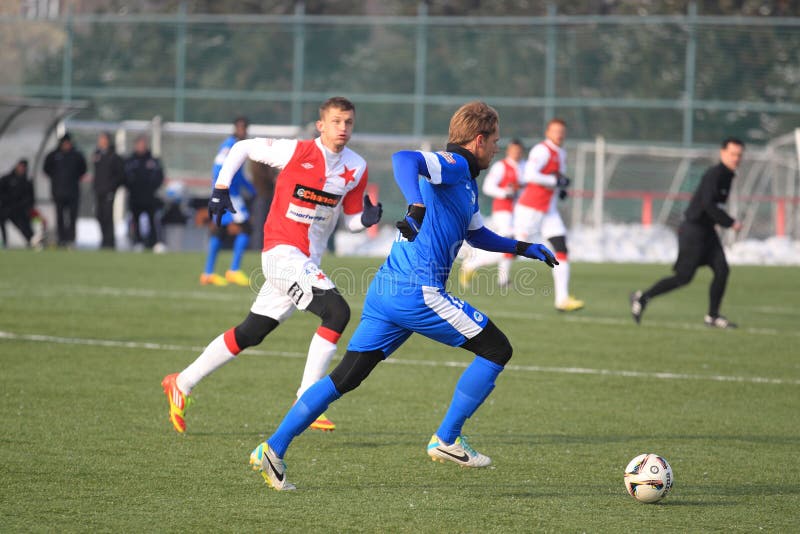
{"type": "Point", "coordinates": [459, 452]}
{"type": "Point", "coordinates": [271, 467]}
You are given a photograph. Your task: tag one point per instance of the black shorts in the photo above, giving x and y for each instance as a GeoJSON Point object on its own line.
{"type": "Point", "coordinates": [698, 245]}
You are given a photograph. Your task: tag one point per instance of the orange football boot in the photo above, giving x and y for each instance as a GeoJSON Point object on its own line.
{"type": "Point", "coordinates": [178, 402]}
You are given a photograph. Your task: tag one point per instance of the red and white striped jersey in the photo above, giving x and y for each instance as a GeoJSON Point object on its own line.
{"type": "Point", "coordinates": [502, 183]}
{"type": "Point", "coordinates": [545, 160]}
{"type": "Point", "coordinates": [314, 186]}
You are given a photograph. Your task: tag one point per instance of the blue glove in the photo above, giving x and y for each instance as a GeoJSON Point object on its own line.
{"type": "Point", "coordinates": [412, 222]}
{"type": "Point", "coordinates": [371, 213]}
{"type": "Point", "coordinates": [562, 182]}
{"type": "Point", "coordinates": [537, 252]}
{"type": "Point", "coordinates": [219, 203]}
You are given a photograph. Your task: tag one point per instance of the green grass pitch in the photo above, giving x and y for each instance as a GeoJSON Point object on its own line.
{"type": "Point", "coordinates": [86, 444]}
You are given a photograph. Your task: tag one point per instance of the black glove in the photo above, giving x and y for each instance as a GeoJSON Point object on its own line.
{"type": "Point", "coordinates": [536, 252]}
{"type": "Point", "coordinates": [562, 182]}
{"type": "Point", "coordinates": [412, 222]}
{"type": "Point", "coordinates": [371, 213]}
{"type": "Point", "coordinates": [219, 203]}
{"type": "Point", "coordinates": [562, 194]}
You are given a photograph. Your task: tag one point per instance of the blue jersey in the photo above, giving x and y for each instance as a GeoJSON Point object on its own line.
{"type": "Point", "coordinates": [449, 193]}
{"type": "Point", "coordinates": [238, 183]}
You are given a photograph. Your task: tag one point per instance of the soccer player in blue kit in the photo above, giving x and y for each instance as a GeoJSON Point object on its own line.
{"type": "Point", "coordinates": [235, 224]}
{"type": "Point", "coordinates": [407, 294]}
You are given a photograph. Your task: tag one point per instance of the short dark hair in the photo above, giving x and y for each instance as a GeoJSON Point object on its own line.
{"type": "Point", "coordinates": [516, 141]}
{"type": "Point", "coordinates": [338, 102]}
{"type": "Point", "coordinates": [731, 141]}
{"type": "Point", "coordinates": [241, 118]}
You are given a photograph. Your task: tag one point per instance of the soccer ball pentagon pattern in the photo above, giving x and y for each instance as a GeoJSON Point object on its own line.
{"type": "Point", "coordinates": [648, 478]}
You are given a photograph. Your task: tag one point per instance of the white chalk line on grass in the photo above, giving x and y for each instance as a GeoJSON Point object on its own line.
{"type": "Point", "coordinates": [140, 345]}
{"type": "Point", "coordinates": [52, 291]}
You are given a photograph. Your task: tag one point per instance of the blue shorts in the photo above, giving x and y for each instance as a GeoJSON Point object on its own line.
{"type": "Point", "coordinates": [392, 312]}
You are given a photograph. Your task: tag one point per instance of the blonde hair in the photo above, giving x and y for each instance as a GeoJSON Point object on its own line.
{"type": "Point", "coordinates": [472, 119]}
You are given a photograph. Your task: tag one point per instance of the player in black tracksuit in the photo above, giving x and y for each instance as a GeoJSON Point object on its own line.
{"type": "Point", "coordinates": [698, 242]}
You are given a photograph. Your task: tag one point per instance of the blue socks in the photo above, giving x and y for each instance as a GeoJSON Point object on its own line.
{"type": "Point", "coordinates": [307, 408]}
{"type": "Point", "coordinates": [475, 384]}
{"type": "Point", "coordinates": [239, 246]}
{"type": "Point", "coordinates": [214, 244]}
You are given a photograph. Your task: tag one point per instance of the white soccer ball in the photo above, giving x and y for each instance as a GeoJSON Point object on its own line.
{"type": "Point", "coordinates": [648, 478]}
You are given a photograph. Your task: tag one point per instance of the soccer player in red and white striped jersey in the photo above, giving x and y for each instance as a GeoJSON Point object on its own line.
{"type": "Point", "coordinates": [536, 211]}
{"type": "Point", "coordinates": [319, 180]}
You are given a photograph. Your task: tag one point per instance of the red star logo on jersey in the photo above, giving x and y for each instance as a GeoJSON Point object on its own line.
{"type": "Point", "coordinates": [348, 175]}
{"type": "Point", "coordinates": [320, 276]}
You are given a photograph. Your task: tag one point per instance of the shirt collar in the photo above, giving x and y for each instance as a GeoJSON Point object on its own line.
{"type": "Point", "coordinates": [474, 171]}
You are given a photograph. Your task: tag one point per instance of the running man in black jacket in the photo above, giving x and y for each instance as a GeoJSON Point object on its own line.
{"type": "Point", "coordinates": [698, 242]}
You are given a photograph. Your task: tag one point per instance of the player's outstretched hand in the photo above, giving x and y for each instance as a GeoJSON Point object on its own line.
{"type": "Point", "coordinates": [371, 213]}
{"type": "Point", "coordinates": [412, 222]}
{"type": "Point", "coordinates": [541, 253]}
{"type": "Point", "coordinates": [219, 203]}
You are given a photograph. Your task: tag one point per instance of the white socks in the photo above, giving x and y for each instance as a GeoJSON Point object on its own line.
{"type": "Point", "coordinates": [320, 354]}
{"type": "Point", "coordinates": [503, 270]}
{"type": "Point", "coordinates": [213, 357]}
{"type": "Point", "coordinates": [561, 281]}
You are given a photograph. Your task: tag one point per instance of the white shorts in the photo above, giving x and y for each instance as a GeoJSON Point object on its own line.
{"type": "Point", "coordinates": [530, 223]}
{"type": "Point", "coordinates": [289, 276]}
{"type": "Point", "coordinates": [503, 223]}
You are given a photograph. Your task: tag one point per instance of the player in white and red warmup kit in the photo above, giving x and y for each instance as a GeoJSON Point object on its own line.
{"type": "Point", "coordinates": [319, 179]}
{"type": "Point", "coordinates": [501, 184]}
{"type": "Point", "coordinates": [536, 212]}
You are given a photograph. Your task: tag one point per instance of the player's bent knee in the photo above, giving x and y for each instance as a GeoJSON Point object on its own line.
{"type": "Point", "coordinates": [491, 344]}
{"type": "Point", "coordinates": [330, 306]}
{"type": "Point", "coordinates": [559, 243]}
{"type": "Point", "coordinates": [354, 368]}
{"type": "Point", "coordinates": [253, 330]}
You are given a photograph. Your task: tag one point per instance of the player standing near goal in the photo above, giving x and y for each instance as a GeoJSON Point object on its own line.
{"type": "Point", "coordinates": [536, 212]}
{"type": "Point", "coordinates": [501, 184]}
{"type": "Point", "coordinates": [698, 242]}
{"type": "Point", "coordinates": [407, 294]}
{"type": "Point", "coordinates": [236, 224]}
{"type": "Point", "coordinates": [319, 179]}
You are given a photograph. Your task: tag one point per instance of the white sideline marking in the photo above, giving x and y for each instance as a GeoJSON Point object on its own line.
{"type": "Point", "coordinates": [52, 291]}
{"type": "Point", "coordinates": [428, 363]}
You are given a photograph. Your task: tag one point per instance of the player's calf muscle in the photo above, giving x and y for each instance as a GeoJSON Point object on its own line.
{"type": "Point", "coordinates": [354, 368]}
{"type": "Point", "coordinates": [253, 330]}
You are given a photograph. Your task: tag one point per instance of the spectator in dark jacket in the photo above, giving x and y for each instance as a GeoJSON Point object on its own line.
{"type": "Point", "coordinates": [65, 167]}
{"type": "Point", "coordinates": [16, 201]}
{"type": "Point", "coordinates": [109, 174]}
{"type": "Point", "coordinates": [143, 176]}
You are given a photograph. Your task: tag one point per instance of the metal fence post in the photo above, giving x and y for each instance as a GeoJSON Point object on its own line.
{"type": "Point", "coordinates": [599, 181]}
{"type": "Point", "coordinates": [298, 62]}
{"type": "Point", "coordinates": [689, 76]}
{"type": "Point", "coordinates": [180, 64]}
{"type": "Point", "coordinates": [550, 64]}
{"type": "Point", "coordinates": [66, 71]}
{"type": "Point", "coordinates": [419, 69]}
